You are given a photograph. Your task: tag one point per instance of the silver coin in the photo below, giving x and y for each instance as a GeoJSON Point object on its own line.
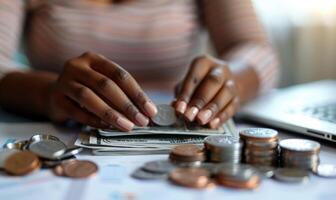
{"type": "Point", "coordinates": [265, 171]}
{"type": "Point", "coordinates": [40, 137]}
{"type": "Point", "coordinates": [165, 116]}
{"type": "Point", "coordinates": [263, 133]}
{"type": "Point", "coordinates": [301, 145]}
{"type": "Point", "coordinates": [159, 166]}
{"type": "Point", "coordinates": [54, 163]}
{"type": "Point", "coordinates": [145, 175]}
{"type": "Point", "coordinates": [326, 170]}
{"type": "Point", "coordinates": [19, 145]}
{"type": "Point", "coordinates": [49, 149]}
{"type": "Point", "coordinates": [222, 141]}
{"type": "Point", "coordinates": [70, 152]}
{"type": "Point", "coordinates": [291, 175]}
{"type": "Point", "coordinates": [237, 172]}
{"type": "Point", "coordinates": [4, 154]}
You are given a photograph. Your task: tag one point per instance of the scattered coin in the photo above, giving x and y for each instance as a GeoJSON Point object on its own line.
{"type": "Point", "coordinates": [191, 177]}
{"type": "Point", "coordinates": [291, 175]}
{"type": "Point", "coordinates": [21, 163]}
{"type": "Point", "coordinates": [79, 168]}
{"type": "Point", "coordinates": [265, 171]}
{"type": "Point", "coordinates": [159, 166]}
{"type": "Point", "coordinates": [18, 145]}
{"type": "Point", "coordinates": [326, 170]}
{"type": "Point", "coordinates": [46, 146]}
{"type": "Point", "coordinates": [58, 170]}
{"type": "Point", "coordinates": [70, 152]}
{"type": "Point", "coordinates": [4, 154]}
{"type": "Point", "coordinates": [146, 175]}
{"type": "Point", "coordinates": [165, 116]}
{"type": "Point", "coordinates": [52, 163]}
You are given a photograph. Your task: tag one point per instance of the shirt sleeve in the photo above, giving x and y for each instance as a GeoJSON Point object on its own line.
{"type": "Point", "coordinates": [11, 23]}
{"type": "Point", "coordinates": [238, 36]}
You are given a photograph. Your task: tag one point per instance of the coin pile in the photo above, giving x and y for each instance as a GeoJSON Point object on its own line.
{"type": "Point", "coordinates": [260, 146]}
{"type": "Point", "coordinates": [187, 155]}
{"type": "Point", "coordinates": [238, 176]}
{"type": "Point", "coordinates": [192, 178]}
{"type": "Point", "coordinates": [299, 153]}
{"type": "Point", "coordinates": [23, 157]}
{"type": "Point", "coordinates": [223, 148]}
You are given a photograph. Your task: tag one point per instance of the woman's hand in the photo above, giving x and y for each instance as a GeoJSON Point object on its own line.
{"type": "Point", "coordinates": [96, 91]}
{"type": "Point", "coordinates": [208, 94]}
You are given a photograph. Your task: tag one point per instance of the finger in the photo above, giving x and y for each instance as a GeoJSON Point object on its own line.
{"type": "Point", "coordinates": [225, 114]}
{"type": "Point", "coordinates": [125, 81]}
{"type": "Point", "coordinates": [222, 98]}
{"type": "Point", "coordinates": [76, 113]}
{"type": "Point", "coordinates": [86, 98]}
{"type": "Point", "coordinates": [115, 97]}
{"type": "Point", "coordinates": [206, 91]}
{"type": "Point", "coordinates": [198, 70]}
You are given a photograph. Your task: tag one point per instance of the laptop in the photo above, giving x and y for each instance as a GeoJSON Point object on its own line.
{"type": "Point", "coordinates": [308, 109]}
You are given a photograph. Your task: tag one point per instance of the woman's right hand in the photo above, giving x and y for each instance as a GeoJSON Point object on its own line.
{"type": "Point", "coordinates": [98, 92]}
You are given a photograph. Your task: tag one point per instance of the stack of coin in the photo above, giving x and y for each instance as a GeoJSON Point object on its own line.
{"type": "Point", "coordinates": [299, 153]}
{"type": "Point", "coordinates": [238, 176]}
{"type": "Point", "coordinates": [223, 148]}
{"type": "Point", "coordinates": [187, 155]}
{"type": "Point", "coordinates": [260, 146]}
{"type": "Point", "coordinates": [192, 177]}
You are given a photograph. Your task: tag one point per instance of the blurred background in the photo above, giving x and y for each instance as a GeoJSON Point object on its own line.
{"type": "Point", "coordinates": [304, 34]}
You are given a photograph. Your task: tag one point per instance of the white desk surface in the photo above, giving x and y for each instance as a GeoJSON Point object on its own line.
{"type": "Point", "coordinates": [113, 182]}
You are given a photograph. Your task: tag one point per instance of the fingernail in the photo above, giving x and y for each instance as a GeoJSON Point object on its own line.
{"type": "Point", "coordinates": [150, 108]}
{"type": "Point", "coordinates": [204, 116]}
{"type": "Point", "coordinates": [125, 124]}
{"type": "Point", "coordinates": [191, 113]}
{"type": "Point", "coordinates": [214, 123]}
{"type": "Point", "coordinates": [141, 119]}
{"type": "Point", "coordinates": [181, 107]}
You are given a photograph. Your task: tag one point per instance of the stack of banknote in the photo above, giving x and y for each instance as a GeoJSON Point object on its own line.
{"type": "Point", "coordinates": [164, 133]}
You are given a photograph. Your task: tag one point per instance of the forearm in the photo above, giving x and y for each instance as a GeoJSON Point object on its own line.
{"type": "Point", "coordinates": [26, 92]}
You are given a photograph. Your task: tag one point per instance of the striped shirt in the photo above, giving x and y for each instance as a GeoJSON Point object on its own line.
{"type": "Point", "coordinates": [154, 40]}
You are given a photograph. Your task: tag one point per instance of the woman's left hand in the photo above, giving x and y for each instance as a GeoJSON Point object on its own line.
{"type": "Point", "coordinates": [208, 94]}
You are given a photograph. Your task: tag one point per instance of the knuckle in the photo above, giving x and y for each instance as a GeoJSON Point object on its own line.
{"type": "Point", "coordinates": [215, 78]}
{"type": "Point", "coordinates": [110, 115]}
{"type": "Point", "coordinates": [141, 97]}
{"type": "Point", "coordinates": [213, 107]}
{"type": "Point", "coordinates": [121, 74]}
{"type": "Point", "coordinates": [103, 83]}
{"type": "Point", "coordinates": [88, 54]}
{"type": "Point", "coordinates": [199, 102]}
{"type": "Point", "coordinates": [130, 109]}
{"type": "Point", "coordinates": [82, 93]}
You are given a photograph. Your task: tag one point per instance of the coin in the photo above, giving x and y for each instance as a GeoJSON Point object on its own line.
{"type": "Point", "coordinates": [53, 163]}
{"type": "Point", "coordinates": [146, 175]}
{"type": "Point", "coordinates": [79, 168]}
{"type": "Point", "coordinates": [159, 166]}
{"type": "Point", "coordinates": [187, 153]}
{"type": "Point", "coordinates": [238, 176]}
{"type": "Point", "coordinates": [71, 152]}
{"type": "Point", "coordinates": [291, 175]}
{"type": "Point", "coordinates": [300, 145]}
{"type": "Point", "coordinates": [19, 145]}
{"type": "Point", "coordinates": [190, 177]}
{"type": "Point", "coordinates": [4, 154]}
{"type": "Point", "coordinates": [259, 134]}
{"type": "Point", "coordinates": [21, 163]}
{"type": "Point", "coordinates": [265, 171]}
{"type": "Point", "coordinates": [58, 170]}
{"type": "Point", "coordinates": [50, 149]}
{"type": "Point", "coordinates": [326, 170]}
{"type": "Point", "coordinates": [165, 116]}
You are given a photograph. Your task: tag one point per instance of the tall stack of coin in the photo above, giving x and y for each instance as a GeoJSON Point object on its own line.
{"type": "Point", "coordinates": [260, 146]}
{"type": "Point", "coordinates": [223, 148]}
{"type": "Point", "coordinates": [187, 155]}
{"type": "Point", "coordinates": [299, 153]}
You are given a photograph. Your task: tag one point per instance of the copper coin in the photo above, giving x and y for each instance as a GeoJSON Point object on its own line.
{"type": "Point", "coordinates": [259, 134]}
{"type": "Point", "coordinates": [58, 170]}
{"type": "Point", "coordinates": [252, 183]}
{"type": "Point", "coordinates": [188, 153]}
{"type": "Point", "coordinates": [79, 168]}
{"type": "Point", "coordinates": [191, 177]}
{"type": "Point", "coordinates": [22, 163]}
